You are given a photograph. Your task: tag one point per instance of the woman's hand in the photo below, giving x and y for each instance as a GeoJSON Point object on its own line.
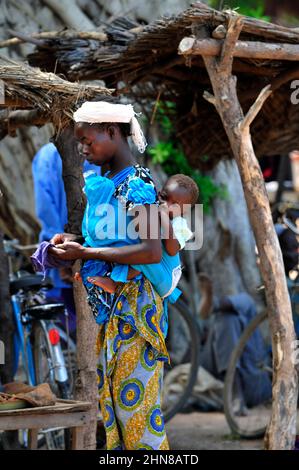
{"type": "Point", "coordinates": [68, 251]}
{"type": "Point", "coordinates": [62, 238]}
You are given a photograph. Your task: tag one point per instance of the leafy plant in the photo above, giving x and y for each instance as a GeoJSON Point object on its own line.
{"type": "Point", "coordinates": [255, 8]}
{"type": "Point", "coordinates": [170, 155]}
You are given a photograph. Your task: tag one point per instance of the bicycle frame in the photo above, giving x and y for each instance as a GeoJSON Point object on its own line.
{"type": "Point", "coordinates": [22, 343]}
{"type": "Point", "coordinates": [57, 358]}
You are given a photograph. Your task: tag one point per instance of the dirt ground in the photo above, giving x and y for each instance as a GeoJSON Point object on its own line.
{"type": "Point", "coordinates": [205, 431]}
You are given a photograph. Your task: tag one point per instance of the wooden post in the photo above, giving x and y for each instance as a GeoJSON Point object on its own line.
{"type": "Point", "coordinates": [86, 384]}
{"type": "Point", "coordinates": [6, 318]}
{"type": "Point", "coordinates": [281, 431]}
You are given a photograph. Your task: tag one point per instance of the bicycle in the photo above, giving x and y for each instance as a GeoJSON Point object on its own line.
{"type": "Point", "coordinates": [183, 347]}
{"type": "Point", "coordinates": [251, 423]}
{"type": "Point", "coordinates": [37, 339]}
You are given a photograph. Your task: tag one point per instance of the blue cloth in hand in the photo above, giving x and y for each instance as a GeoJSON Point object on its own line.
{"type": "Point", "coordinates": [43, 260]}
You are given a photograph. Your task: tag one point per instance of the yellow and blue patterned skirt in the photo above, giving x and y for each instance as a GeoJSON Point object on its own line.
{"type": "Point", "coordinates": [131, 354]}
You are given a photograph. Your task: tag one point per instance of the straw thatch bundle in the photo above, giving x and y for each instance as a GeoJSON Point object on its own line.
{"type": "Point", "coordinates": [39, 97]}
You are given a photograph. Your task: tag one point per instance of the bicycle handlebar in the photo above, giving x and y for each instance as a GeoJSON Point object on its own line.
{"type": "Point", "coordinates": [14, 244]}
{"type": "Point", "coordinates": [290, 225]}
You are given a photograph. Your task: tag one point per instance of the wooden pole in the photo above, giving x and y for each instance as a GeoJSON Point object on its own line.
{"type": "Point", "coordinates": [86, 328]}
{"type": "Point", "coordinates": [281, 431]}
{"type": "Point", "coordinates": [243, 49]}
{"type": "Point", "coordinates": [6, 318]}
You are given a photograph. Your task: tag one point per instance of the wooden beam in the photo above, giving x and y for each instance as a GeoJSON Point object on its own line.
{"type": "Point", "coordinates": [16, 119]}
{"type": "Point", "coordinates": [14, 102]}
{"type": "Point", "coordinates": [243, 49]}
{"type": "Point", "coordinates": [67, 34]}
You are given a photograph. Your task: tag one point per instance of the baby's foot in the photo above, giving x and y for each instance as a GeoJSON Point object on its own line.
{"type": "Point", "coordinates": [77, 277]}
{"type": "Point", "coordinates": [105, 282]}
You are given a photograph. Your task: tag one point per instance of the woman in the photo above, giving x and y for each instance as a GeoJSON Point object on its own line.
{"type": "Point", "coordinates": [130, 342]}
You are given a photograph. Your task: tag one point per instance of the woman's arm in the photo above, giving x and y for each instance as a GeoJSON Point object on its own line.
{"type": "Point", "coordinates": [148, 251]}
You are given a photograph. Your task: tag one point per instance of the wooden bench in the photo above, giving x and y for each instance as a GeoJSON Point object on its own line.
{"type": "Point", "coordinates": [65, 413]}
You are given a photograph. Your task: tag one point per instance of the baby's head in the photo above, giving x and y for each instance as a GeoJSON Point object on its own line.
{"type": "Point", "coordinates": [179, 192]}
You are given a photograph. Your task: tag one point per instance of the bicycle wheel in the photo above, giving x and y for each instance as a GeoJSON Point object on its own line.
{"type": "Point", "coordinates": [183, 347]}
{"type": "Point", "coordinates": [44, 370]}
{"type": "Point", "coordinates": [69, 351]}
{"type": "Point", "coordinates": [249, 415]}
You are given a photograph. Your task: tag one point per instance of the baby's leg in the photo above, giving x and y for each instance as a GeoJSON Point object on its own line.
{"type": "Point", "coordinates": [105, 282]}
{"type": "Point", "coordinates": [132, 273]}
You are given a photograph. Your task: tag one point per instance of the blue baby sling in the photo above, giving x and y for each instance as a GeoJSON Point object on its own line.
{"type": "Point", "coordinates": [106, 222]}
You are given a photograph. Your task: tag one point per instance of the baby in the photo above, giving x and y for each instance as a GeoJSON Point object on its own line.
{"type": "Point", "coordinates": [179, 192]}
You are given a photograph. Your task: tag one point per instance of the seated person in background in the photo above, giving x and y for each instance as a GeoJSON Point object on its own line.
{"type": "Point", "coordinates": [290, 252]}
{"type": "Point", "coordinates": [231, 315]}
{"type": "Point", "coordinates": [226, 319]}
{"type": "Point", "coordinates": [289, 247]}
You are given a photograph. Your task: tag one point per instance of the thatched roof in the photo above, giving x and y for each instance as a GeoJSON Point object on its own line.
{"type": "Point", "coordinates": [131, 50]}
{"type": "Point", "coordinates": [146, 59]}
{"type": "Point", "coordinates": [38, 97]}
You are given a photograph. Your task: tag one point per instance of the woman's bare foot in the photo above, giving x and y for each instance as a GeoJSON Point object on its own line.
{"type": "Point", "coordinates": [105, 282]}
{"type": "Point", "coordinates": [206, 299]}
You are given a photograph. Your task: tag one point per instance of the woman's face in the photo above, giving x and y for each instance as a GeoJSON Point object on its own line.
{"type": "Point", "coordinates": [97, 147]}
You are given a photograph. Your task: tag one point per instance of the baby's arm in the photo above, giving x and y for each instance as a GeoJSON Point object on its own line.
{"type": "Point", "coordinates": [170, 243]}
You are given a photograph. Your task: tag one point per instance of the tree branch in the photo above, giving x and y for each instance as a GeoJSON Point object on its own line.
{"type": "Point", "coordinates": [209, 97]}
{"type": "Point", "coordinates": [244, 125]}
{"type": "Point", "coordinates": [235, 26]}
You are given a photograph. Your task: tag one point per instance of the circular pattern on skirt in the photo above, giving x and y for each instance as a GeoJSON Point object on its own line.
{"type": "Point", "coordinates": [163, 324]}
{"type": "Point", "coordinates": [115, 344]}
{"type": "Point", "coordinates": [129, 318]}
{"type": "Point", "coordinates": [126, 331]}
{"type": "Point", "coordinates": [142, 446]}
{"type": "Point", "coordinates": [109, 416]}
{"type": "Point", "coordinates": [147, 357]}
{"type": "Point", "coordinates": [100, 377]}
{"type": "Point", "coordinates": [149, 315]}
{"type": "Point", "coordinates": [130, 394]}
{"type": "Point", "coordinates": [155, 421]}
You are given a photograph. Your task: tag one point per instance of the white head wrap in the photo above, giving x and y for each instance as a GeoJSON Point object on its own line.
{"type": "Point", "coordinates": [101, 111]}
